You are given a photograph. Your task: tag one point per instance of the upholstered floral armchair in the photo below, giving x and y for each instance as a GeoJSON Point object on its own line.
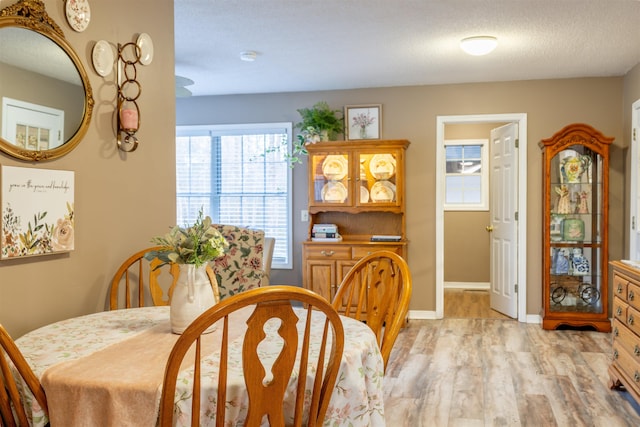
{"type": "Point", "coordinates": [241, 268]}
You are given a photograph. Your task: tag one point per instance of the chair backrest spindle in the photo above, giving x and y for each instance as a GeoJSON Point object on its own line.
{"type": "Point", "coordinates": [377, 290]}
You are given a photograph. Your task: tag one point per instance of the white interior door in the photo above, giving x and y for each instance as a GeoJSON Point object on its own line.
{"type": "Point", "coordinates": [504, 225]}
{"type": "Point", "coordinates": [634, 227]}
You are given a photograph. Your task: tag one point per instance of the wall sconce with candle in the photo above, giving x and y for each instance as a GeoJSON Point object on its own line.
{"type": "Point", "coordinates": [129, 90]}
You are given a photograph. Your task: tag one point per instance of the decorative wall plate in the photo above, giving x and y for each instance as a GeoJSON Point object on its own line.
{"type": "Point", "coordinates": [78, 14]}
{"type": "Point", "coordinates": [102, 57]}
{"type": "Point", "coordinates": [382, 166]}
{"type": "Point", "coordinates": [335, 167]}
{"type": "Point", "coordinates": [145, 44]}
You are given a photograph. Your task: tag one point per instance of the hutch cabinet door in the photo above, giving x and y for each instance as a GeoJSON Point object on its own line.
{"type": "Point", "coordinates": [575, 211]}
{"type": "Point", "coordinates": [330, 178]}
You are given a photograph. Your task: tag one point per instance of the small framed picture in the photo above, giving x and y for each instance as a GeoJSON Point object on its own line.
{"type": "Point", "coordinates": [363, 121]}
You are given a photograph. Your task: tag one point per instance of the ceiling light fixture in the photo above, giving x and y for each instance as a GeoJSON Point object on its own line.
{"type": "Point", "coordinates": [479, 45]}
{"type": "Point", "coordinates": [248, 55]}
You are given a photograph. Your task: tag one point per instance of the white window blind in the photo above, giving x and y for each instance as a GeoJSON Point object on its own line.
{"type": "Point", "coordinates": [237, 175]}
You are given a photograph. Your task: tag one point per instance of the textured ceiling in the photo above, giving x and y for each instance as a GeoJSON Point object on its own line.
{"type": "Point", "coordinates": [310, 45]}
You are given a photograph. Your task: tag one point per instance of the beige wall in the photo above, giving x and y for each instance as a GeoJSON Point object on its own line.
{"type": "Point", "coordinates": [410, 112]}
{"type": "Point", "coordinates": [121, 200]}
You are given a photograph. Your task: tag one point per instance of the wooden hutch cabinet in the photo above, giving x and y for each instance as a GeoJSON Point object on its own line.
{"type": "Point", "coordinates": [360, 187]}
{"type": "Point", "coordinates": [575, 245]}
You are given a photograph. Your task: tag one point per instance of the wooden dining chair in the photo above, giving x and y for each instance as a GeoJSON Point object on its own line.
{"type": "Point", "coordinates": [266, 398]}
{"type": "Point", "coordinates": [377, 290]}
{"type": "Point", "coordinates": [12, 408]}
{"type": "Point", "coordinates": [139, 282]}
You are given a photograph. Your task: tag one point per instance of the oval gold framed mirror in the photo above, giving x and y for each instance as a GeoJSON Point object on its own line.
{"type": "Point", "coordinates": [46, 98]}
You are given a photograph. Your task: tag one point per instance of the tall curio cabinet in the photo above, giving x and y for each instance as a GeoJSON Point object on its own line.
{"type": "Point", "coordinates": [575, 212]}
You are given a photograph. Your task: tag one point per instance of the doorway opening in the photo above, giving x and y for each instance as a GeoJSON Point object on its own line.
{"type": "Point", "coordinates": [519, 202]}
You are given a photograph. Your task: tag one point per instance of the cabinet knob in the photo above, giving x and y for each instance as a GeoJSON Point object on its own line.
{"type": "Point", "coordinates": [636, 376]}
{"type": "Point", "coordinates": [489, 228]}
{"type": "Point", "coordinates": [619, 311]}
{"type": "Point", "coordinates": [630, 319]}
{"type": "Point", "coordinates": [631, 295]}
{"type": "Point", "coordinates": [636, 350]}
{"type": "Point", "coordinates": [619, 288]}
{"type": "Point", "coordinates": [615, 354]}
{"type": "Point", "coordinates": [615, 332]}
{"type": "Point", "coordinates": [325, 253]}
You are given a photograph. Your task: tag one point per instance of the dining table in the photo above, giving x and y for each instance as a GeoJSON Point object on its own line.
{"type": "Point", "coordinates": [107, 369]}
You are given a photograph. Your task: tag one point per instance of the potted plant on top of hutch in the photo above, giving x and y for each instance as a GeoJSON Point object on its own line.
{"type": "Point", "coordinates": [318, 123]}
{"type": "Point", "coordinates": [356, 206]}
{"type": "Point", "coordinates": [575, 243]}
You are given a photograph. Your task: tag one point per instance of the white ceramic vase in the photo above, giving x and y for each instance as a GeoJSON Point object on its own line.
{"type": "Point", "coordinates": [192, 296]}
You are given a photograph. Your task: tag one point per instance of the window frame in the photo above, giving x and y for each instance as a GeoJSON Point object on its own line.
{"type": "Point", "coordinates": [243, 129]}
{"type": "Point", "coordinates": [483, 205]}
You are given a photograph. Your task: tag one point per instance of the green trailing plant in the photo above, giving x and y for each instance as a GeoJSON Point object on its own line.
{"type": "Point", "coordinates": [318, 123]}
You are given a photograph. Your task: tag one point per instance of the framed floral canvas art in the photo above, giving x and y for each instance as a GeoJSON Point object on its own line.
{"type": "Point", "coordinates": [37, 211]}
{"type": "Point", "coordinates": [363, 121]}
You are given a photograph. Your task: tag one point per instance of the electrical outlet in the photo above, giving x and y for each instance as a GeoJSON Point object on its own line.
{"type": "Point", "coordinates": [304, 215]}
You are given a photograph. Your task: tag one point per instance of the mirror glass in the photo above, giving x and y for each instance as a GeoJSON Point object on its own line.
{"type": "Point", "coordinates": [46, 100]}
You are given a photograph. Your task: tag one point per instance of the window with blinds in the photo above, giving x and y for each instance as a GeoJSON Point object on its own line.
{"type": "Point", "coordinates": [237, 174]}
{"type": "Point", "coordinates": [466, 176]}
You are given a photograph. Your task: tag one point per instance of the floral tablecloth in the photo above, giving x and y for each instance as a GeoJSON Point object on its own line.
{"type": "Point", "coordinates": [107, 369]}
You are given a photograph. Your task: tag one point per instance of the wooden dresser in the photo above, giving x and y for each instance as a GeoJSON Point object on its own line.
{"type": "Point", "coordinates": [625, 364]}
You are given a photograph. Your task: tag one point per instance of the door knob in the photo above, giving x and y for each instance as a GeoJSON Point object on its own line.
{"type": "Point", "coordinates": [489, 228]}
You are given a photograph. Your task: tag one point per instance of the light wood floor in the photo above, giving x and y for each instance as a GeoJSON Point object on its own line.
{"type": "Point", "coordinates": [469, 304]}
{"type": "Point", "coordinates": [486, 372]}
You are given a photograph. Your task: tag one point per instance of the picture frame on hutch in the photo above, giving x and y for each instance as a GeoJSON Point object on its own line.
{"type": "Point", "coordinates": [363, 122]}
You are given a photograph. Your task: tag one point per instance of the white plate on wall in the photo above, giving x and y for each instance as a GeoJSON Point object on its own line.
{"type": "Point", "coordinates": [145, 44]}
{"type": "Point", "coordinates": [102, 58]}
{"type": "Point", "coordinates": [78, 14]}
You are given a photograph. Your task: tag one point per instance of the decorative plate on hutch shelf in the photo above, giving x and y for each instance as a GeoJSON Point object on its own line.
{"type": "Point", "coordinates": [335, 167]}
{"type": "Point", "coordinates": [334, 192]}
{"type": "Point", "coordinates": [364, 194]}
{"type": "Point", "coordinates": [382, 166]}
{"type": "Point", "coordinates": [383, 191]}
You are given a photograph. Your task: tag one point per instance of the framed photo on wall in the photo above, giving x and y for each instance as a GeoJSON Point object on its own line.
{"type": "Point", "coordinates": [363, 121]}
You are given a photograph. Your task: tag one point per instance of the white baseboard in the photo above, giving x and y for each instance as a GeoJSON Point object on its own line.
{"type": "Point", "coordinates": [421, 315]}
{"type": "Point", "coordinates": [534, 318]}
{"type": "Point", "coordinates": [467, 285]}
{"type": "Point", "coordinates": [431, 315]}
